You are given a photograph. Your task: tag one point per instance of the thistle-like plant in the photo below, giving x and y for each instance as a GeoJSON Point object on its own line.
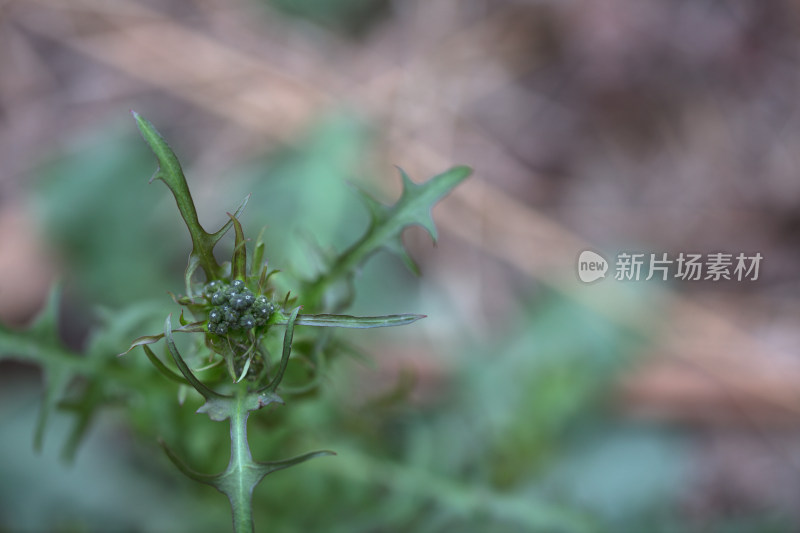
{"type": "Point", "coordinates": [246, 326]}
{"type": "Point", "coordinates": [244, 323]}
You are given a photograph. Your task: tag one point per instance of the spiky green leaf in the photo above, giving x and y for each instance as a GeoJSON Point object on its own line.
{"type": "Point", "coordinates": [386, 227]}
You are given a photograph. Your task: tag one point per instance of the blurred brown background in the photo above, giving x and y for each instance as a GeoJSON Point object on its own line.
{"type": "Point", "coordinates": [664, 126]}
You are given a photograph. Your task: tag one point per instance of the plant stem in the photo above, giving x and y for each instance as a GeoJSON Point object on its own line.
{"type": "Point", "coordinates": [240, 486]}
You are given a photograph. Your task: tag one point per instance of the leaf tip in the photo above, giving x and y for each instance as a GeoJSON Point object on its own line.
{"type": "Point", "coordinates": [407, 182]}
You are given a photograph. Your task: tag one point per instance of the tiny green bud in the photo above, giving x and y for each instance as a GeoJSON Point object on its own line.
{"type": "Point", "coordinates": [249, 298]}
{"type": "Point", "coordinates": [262, 310]}
{"type": "Point", "coordinates": [212, 287]}
{"type": "Point", "coordinates": [230, 315]}
{"type": "Point", "coordinates": [247, 321]}
{"type": "Point", "coordinates": [239, 301]}
{"type": "Point", "coordinates": [219, 298]}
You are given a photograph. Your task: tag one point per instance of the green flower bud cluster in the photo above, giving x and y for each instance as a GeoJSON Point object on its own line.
{"type": "Point", "coordinates": [235, 307]}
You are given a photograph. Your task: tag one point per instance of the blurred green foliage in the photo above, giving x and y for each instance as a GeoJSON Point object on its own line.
{"type": "Point", "coordinates": [90, 196]}
{"type": "Point", "coordinates": [520, 438]}
{"type": "Point", "coordinates": [349, 17]}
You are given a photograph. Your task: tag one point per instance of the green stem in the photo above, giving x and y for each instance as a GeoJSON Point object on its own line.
{"type": "Point", "coordinates": [239, 475]}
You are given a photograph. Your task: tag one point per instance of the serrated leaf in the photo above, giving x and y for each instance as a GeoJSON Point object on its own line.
{"type": "Point", "coordinates": [387, 225]}
{"type": "Point", "coordinates": [418, 200]}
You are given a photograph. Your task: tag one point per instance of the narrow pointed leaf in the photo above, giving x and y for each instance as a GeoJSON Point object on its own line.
{"type": "Point", "coordinates": [258, 255]}
{"type": "Point", "coordinates": [183, 367]}
{"type": "Point", "coordinates": [239, 259]}
{"type": "Point", "coordinates": [245, 368]}
{"type": "Point", "coordinates": [227, 356]}
{"type": "Point", "coordinates": [287, 350]}
{"type": "Point", "coordinates": [194, 327]}
{"type": "Point", "coordinates": [207, 479]}
{"type": "Point", "coordinates": [236, 214]}
{"type": "Point", "coordinates": [191, 267]}
{"type": "Point", "coordinates": [161, 367]}
{"type": "Point", "coordinates": [358, 322]}
{"type": "Point", "coordinates": [265, 468]}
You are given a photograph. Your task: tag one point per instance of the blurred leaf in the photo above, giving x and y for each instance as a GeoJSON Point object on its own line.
{"type": "Point", "coordinates": [620, 471]}
{"type": "Point", "coordinates": [348, 16]}
{"type": "Point", "coordinates": [386, 227]}
{"type": "Point", "coordinates": [358, 322]}
{"type": "Point", "coordinates": [94, 209]}
{"type": "Point", "coordinates": [97, 371]}
{"type": "Point", "coordinates": [41, 344]}
{"type": "Point", "coordinates": [301, 190]}
{"type": "Point", "coordinates": [95, 492]}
